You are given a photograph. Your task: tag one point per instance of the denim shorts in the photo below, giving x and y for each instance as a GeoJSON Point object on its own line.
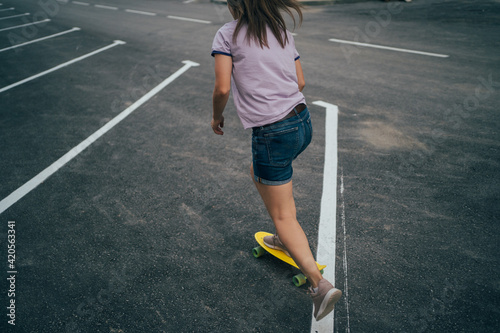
{"type": "Point", "coordinates": [276, 145]}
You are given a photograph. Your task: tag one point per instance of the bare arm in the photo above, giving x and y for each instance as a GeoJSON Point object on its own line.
{"type": "Point", "coordinates": [300, 75]}
{"type": "Point", "coordinates": [223, 69]}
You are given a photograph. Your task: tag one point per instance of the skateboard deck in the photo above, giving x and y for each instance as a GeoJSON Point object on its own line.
{"type": "Point", "coordinates": [258, 251]}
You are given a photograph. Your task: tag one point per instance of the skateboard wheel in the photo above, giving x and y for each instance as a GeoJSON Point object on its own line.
{"type": "Point", "coordinates": [299, 280]}
{"type": "Point", "coordinates": [258, 251]}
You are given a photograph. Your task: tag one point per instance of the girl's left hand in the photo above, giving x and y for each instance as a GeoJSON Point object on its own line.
{"type": "Point", "coordinates": [217, 125]}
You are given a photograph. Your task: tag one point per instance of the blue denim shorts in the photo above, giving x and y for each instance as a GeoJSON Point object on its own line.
{"type": "Point", "coordinates": [276, 145]}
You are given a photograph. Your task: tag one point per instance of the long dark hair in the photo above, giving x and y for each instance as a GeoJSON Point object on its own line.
{"type": "Point", "coordinates": [257, 14]}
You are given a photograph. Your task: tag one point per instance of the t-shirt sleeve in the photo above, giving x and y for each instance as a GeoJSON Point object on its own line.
{"type": "Point", "coordinates": [221, 44]}
{"type": "Point", "coordinates": [296, 55]}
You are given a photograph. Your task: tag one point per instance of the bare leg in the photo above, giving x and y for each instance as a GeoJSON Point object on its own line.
{"type": "Point", "coordinates": [280, 204]}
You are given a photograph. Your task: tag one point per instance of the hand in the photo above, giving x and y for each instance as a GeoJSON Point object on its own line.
{"type": "Point", "coordinates": [217, 125]}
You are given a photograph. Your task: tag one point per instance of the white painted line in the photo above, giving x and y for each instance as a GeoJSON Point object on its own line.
{"type": "Point", "coordinates": [139, 12]}
{"type": "Point", "coordinates": [25, 25]}
{"type": "Point", "coordinates": [115, 43]}
{"type": "Point", "coordinates": [328, 216]}
{"type": "Point", "coordinates": [188, 1]}
{"type": "Point", "coordinates": [4, 10]}
{"type": "Point", "coordinates": [342, 216]}
{"type": "Point", "coordinates": [188, 19]}
{"type": "Point", "coordinates": [389, 48]}
{"type": "Point", "coordinates": [9, 17]}
{"type": "Point", "coordinates": [49, 171]}
{"type": "Point", "coordinates": [106, 7]}
{"type": "Point", "coordinates": [81, 3]}
{"type": "Point", "coordinates": [40, 39]}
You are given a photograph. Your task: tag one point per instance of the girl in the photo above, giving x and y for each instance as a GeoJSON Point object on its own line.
{"type": "Point", "coordinates": [259, 54]}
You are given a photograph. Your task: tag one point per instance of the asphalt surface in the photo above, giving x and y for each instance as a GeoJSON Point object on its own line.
{"type": "Point", "coordinates": [150, 228]}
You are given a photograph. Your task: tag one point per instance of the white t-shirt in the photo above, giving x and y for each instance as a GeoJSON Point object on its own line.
{"type": "Point", "coordinates": [264, 80]}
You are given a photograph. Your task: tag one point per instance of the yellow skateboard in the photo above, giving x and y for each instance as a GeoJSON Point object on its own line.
{"type": "Point", "coordinates": [258, 251]}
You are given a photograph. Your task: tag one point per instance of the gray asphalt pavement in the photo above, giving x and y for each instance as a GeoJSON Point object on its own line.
{"type": "Point", "coordinates": [150, 228]}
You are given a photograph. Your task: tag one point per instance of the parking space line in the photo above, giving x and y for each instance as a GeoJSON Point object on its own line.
{"type": "Point", "coordinates": [328, 217]}
{"type": "Point", "coordinates": [139, 12]}
{"type": "Point", "coordinates": [40, 39]}
{"type": "Point", "coordinates": [144, 12]}
{"type": "Point", "coordinates": [25, 25]}
{"type": "Point", "coordinates": [389, 48]}
{"type": "Point", "coordinates": [42, 176]}
{"type": "Point", "coordinates": [342, 217]}
{"type": "Point", "coordinates": [9, 17]}
{"type": "Point", "coordinates": [6, 9]}
{"type": "Point", "coordinates": [115, 43]}
{"type": "Point", "coordinates": [188, 19]}
{"type": "Point", "coordinates": [106, 7]}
